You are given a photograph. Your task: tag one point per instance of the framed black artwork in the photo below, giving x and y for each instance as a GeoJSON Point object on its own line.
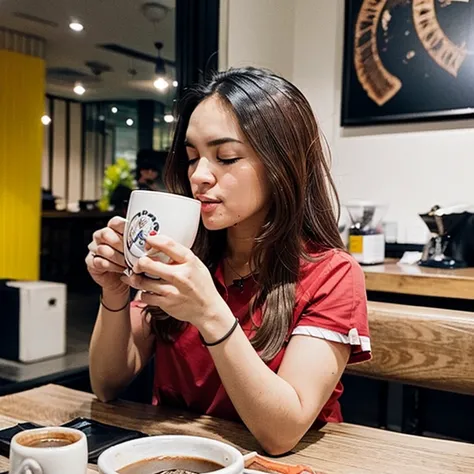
{"type": "Point", "coordinates": [407, 60]}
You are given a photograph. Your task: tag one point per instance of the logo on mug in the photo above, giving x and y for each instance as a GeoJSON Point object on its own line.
{"type": "Point", "coordinates": [140, 227]}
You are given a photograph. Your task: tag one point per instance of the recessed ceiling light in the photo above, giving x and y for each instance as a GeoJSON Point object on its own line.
{"type": "Point", "coordinates": [161, 84]}
{"type": "Point", "coordinates": [129, 122]}
{"type": "Point", "coordinates": [175, 83]}
{"type": "Point", "coordinates": [79, 89]}
{"type": "Point", "coordinates": [45, 119]}
{"type": "Point", "coordinates": [76, 26]}
{"type": "Point", "coordinates": [168, 118]}
{"type": "Point", "coordinates": [114, 110]}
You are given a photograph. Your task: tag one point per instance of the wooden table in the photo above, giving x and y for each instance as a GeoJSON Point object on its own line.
{"type": "Point", "coordinates": [336, 449]}
{"type": "Point", "coordinates": [415, 280]}
{"type": "Point", "coordinates": [78, 215]}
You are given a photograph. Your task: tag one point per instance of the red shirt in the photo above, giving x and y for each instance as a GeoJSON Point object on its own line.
{"type": "Point", "coordinates": [330, 303]}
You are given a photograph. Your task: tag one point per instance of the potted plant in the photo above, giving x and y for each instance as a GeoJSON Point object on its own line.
{"type": "Point", "coordinates": [117, 175]}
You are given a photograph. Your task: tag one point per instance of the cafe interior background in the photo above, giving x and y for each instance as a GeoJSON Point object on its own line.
{"type": "Point", "coordinates": [97, 96]}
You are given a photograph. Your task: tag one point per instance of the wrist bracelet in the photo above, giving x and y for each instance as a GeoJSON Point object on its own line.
{"type": "Point", "coordinates": [110, 309]}
{"type": "Point", "coordinates": [222, 339]}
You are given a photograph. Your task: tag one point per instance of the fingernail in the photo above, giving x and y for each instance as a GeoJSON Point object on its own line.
{"type": "Point", "coordinates": [152, 232]}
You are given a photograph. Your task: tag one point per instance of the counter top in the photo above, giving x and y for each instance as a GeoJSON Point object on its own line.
{"type": "Point", "coordinates": [17, 372]}
{"type": "Point", "coordinates": [15, 376]}
{"type": "Point", "coordinates": [392, 277]}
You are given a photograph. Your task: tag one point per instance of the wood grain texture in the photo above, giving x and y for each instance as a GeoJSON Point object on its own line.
{"type": "Point", "coordinates": [414, 280]}
{"type": "Point", "coordinates": [336, 449]}
{"type": "Point", "coordinates": [78, 215]}
{"type": "Point", "coordinates": [421, 346]}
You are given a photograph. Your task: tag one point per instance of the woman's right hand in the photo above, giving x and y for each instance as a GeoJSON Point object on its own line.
{"type": "Point", "coordinates": [105, 261]}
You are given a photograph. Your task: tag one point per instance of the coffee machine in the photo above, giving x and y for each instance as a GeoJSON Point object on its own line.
{"type": "Point", "coordinates": [452, 237]}
{"type": "Point", "coordinates": [366, 235]}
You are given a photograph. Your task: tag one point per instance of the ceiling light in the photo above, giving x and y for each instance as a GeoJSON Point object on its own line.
{"type": "Point", "coordinates": [76, 26]}
{"type": "Point", "coordinates": [175, 83]}
{"type": "Point", "coordinates": [160, 70]}
{"type": "Point", "coordinates": [45, 119]}
{"type": "Point", "coordinates": [79, 89]}
{"type": "Point", "coordinates": [168, 118]}
{"type": "Point", "coordinates": [114, 110]}
{"type": "Point", "coordinates": [129, 122]}
{"type": "Point", "coordinates": [161, 84]}
{"type": "Point", "coordinates": [154, 11]}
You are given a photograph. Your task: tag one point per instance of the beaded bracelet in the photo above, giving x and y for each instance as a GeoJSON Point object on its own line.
{"type": "Point", "coordinates": [222, 339]}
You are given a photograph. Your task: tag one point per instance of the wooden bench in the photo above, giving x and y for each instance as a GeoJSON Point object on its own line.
{"type": "Point", "coordinates": [426, 347]}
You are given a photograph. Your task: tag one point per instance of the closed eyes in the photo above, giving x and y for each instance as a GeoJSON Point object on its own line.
{"type": "Point", "coordinates": [223, 161]}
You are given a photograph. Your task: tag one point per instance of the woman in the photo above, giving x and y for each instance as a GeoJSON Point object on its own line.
{"type": "Point", "coordinates": [268, 256]}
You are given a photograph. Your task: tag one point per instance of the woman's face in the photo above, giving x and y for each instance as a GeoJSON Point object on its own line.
{"type": "Point", "coordinates": [224, 171]}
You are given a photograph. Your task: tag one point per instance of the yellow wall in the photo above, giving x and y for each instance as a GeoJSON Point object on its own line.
{"type": "Point", "coordinates": [22, 91]}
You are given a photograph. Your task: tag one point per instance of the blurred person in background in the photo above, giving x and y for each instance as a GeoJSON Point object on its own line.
{"type": "Point", "coordinates": [148, 166]}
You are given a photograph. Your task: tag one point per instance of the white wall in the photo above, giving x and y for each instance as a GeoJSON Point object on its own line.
{"type": "Point", "coordinates": [260, 33]}
{"type": "Point", "coordinates": [410, 167]}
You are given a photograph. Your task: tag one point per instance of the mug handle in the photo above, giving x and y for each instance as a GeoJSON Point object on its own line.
{"type": "Point", "coordinates": [29, 466]}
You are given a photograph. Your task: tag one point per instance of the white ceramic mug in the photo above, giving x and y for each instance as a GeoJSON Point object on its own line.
{"type": "Point", "coordinates": [172, 215]}
{"type": "Point", "coordinates": [130, 452]}
{"type": "Point", "coordinates": [29, 455]}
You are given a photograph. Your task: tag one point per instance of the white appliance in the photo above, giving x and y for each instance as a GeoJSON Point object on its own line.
{"type": "Point", "coordinates": [33, 318]}
{"type": "Point", "coordinates": [366, 234]}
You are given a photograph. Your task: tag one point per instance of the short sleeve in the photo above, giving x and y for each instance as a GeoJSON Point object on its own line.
{"type": "Point", "coordinates": [336, 305]}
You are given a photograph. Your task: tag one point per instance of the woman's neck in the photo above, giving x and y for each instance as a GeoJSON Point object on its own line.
{"type": "Point", "coordinates": [240, 242]}
{"type": "Point", "coordinates": [239, 247]}
{"type": "Point", "coordinates": [238, 252]}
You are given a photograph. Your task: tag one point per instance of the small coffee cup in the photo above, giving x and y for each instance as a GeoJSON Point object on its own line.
{"type": "Point", "coordinates": [50, 450]}
{"type": "Point", "coordinates": [169, 214]}
{"type": "Point", "coordinates": [157, 453]}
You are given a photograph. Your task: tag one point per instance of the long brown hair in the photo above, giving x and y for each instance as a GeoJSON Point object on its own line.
{"type": "Point", "coordinates": [279, 124]}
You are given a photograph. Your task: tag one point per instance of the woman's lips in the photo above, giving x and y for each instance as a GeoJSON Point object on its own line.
{"type": "Point", "coordinates": [208, 203]}
{"type": "Point", "coordinates": [209, 206]}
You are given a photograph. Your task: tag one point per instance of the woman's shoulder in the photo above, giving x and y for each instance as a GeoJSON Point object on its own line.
{"type": "Point", "coordinates": [320, 258]}
{"type": "Point", "coordinates": [330, 264]}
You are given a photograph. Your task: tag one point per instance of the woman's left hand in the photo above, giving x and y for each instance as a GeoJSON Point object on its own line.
{"type": "Point", "coordinates": [186, 290]}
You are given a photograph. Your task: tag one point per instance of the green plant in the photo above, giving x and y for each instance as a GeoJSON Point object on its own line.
{"type": "Point", "coordinates": [118, 173]}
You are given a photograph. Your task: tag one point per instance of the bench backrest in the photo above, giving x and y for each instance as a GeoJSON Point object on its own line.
{"type": "Point", "coordinates": [428, 347]}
